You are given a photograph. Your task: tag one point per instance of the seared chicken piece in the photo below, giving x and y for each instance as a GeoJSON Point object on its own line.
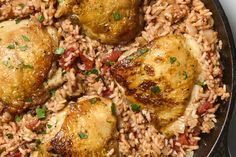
{"type": "Point", "coordinates": [159, 78]}
{"type": "Point", "coordinates": [110, 21]}
{"type": "Point", "coordinates": [87, 129]}
{"type": "Point", "coordinates": [64, 7]}
{"type": "Point", "coordinates": [26, 54]}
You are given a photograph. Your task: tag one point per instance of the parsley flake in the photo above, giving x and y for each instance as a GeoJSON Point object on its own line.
{"type": "Point", "coordinates": [200, 83]}
{"type": "Point", "coordinates": [93, 100]}
{"type": "Point", "coordinates": [134, 107]}
{"type": "Point", "coordinates": [140, 52]}
{"type": "Point", "coordinates": [18, 118]}
{"type": "Point", "coordinates": [41, 113]}
{"type": "Point", "coordinates": [41, 18]}
{"type": "Point", "coordinates": [92, 71]}
{"type": "Point", "coordinates": [82, 135]}
{"type": "Point", "coordinates": [17, 20]}
{"type": "Point", "coordinates": [117, 16]}
{"type": "Point", "coordinates": [23, 47]}
{"type": "Point", "coordinates": [25, 38]}
{"type": "Point", "coordinates": [172, 60]}
{"type": "Point", "coordinates": [49, 126]}
{"type": "Point", "coordinates": [155, 89]}
{"type": "Point", "coordinates": [113, 109]}
{"type": "Point", "coordinates": [9, 136]}
{"type": "Point", "coordinates": [11, 46]}
{"type": "Point", "coordinates": [185, 75]}
{"type": "Point", "coordinates": [59, 51]}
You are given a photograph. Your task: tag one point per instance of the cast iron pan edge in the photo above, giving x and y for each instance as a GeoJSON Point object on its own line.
{"type": "Point", "coordinates": [211, 144]}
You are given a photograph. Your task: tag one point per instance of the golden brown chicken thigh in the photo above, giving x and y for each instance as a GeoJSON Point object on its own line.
{"type": "Point", "coordinates": [159, 77]}
{"type": "Point", "coordinates": [26, 54]}
{"type": "Point", "coordinates": [87, 129]}
{"type": "Point", "coordinates": [109, 21]}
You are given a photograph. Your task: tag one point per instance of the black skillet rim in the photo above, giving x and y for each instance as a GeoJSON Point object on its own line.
{"type": "Point", "coordinates": [224, 129]}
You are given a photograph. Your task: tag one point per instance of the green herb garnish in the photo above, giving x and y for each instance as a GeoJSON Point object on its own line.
{"type": "Point", "coordinates": [172, 60]}
{"type": "Point", "coordinates": [134, 107]}
{"type": "Point", "coordinates": [11, 46]}
{"type": "Point", "coordinates": [155, 89]}
{"type": "Point", "coordinates": [140, 52]}
{"type": "Point", "coordinates": [26, 66]}
{"type": "Point", "coordinates": [113, 109]}
{"type": "Point", "coordinates": [59, 51]}
{"type": "Point", "coordinates": [23, 47]}
{"type": "Point", "coordinates": [82, 135]}
{"type": "Point", "coordinates": [40, 113]}
{"type": "Point", "coordinates": [9, 136]}
{"type": "Point", "coordinates": [200, 83]}
{"type": "Point", "coordinates": [49, 126]}
{"type": "Point", "coordinates": [52, 92]}
{"type": "Point", "coordinates": [116, 16]}
{"type": "Point", "coordinates": [29, 100]}
{"type": "Point", "coordinates": [92, 71]}
{"type": "Point", "coordinates": [93, 100]}
{"type": "Point", "coordinates": [18, 118]}
{"type": "Point", "coordinates": [17, 20]}
{"type": "Point", "coordinates": [110, 63]}
{"type": "Point", "coordinates": [25, 38]}
{"type": "Point", "coordinates": [21, 5]}
{"type": "Point", "coordinates": [41, 18]}
{"type": "Point", "coordinates": [60, 1]}
{"type": "Point", "coordinates": [185, 75]}
{"type": "Point", "coordinates": [37, 141]}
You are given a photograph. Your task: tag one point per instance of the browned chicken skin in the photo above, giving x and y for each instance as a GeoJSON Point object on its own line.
{"type": "Point", "coordinates": [87, 129]}
{"type": "Point", "coordinates": [159, 78]}
{"type": "Point", "coordinates": [26, 54]}
{"type": "Point", "coordinates": [109, 21]}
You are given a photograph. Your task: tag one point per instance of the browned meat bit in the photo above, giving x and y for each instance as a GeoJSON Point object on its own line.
{"type": "Point", "coordinates": [149, 70]}
{"type": "Point", "coordinates": [162, 80]}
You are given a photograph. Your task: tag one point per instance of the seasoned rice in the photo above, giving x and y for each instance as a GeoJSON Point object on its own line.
{"type": "Point", "coordinates": [137, 136]}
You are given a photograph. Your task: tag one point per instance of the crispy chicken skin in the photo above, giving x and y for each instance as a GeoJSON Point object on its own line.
{"type": "Point", "coordinates": [159, 78]}
{"type": "Point", "coordinates": [110, 21]}
{"type": "Point", "coordinates": [88, 129]}
{"type": "Point", "coordinates": [64, 7]}
{"type": "Point", "coordinates": [26, 54]}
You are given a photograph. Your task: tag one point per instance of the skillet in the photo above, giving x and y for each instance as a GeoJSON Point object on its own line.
{"type": "Point", "coordinates": [209, 145]}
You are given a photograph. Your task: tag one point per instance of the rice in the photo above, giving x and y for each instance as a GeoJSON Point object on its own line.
{"type": "Point", "coordinates": [137, 136]}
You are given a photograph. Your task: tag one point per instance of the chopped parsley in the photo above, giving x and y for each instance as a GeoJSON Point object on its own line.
{"type": "Point", "coordinates": [155, 89]}
{"type": "Point", "coordinates": [11, 46]}
{"type": "Point", "coordinates": [172, 60]}
{"type": "Point", "coordinates": [98, 78]}
{"type": "Point", "coordinates": [23, 47]}
{"type": "Point", "coordinates": [60, 1]}
{"type": "Point", "coordinates": [200, 83]}
{"type": "Point", "coordinates": [41, 113]}
{"type": "Point", "coordinates": [37, 141]}
{"type": "Point", "coordinates": [82, 135]}
{"type": "Point", "coordinates": [130, 58]}
{"type": "Point", "coordinates": [185, 75]}
{"type": "Point", "coordinates": [117, 16]}
{"type": "Point", "coordinates": [110, 63]}
{"type": "Point", "coordinates": [113, 109]}
{"type": "Point", "coordinates": [52, 92]}
{"type": "Point", "coordinates": [29, 100]}
{"type": "Point", "coordinates": [26, 66]}
{"type": "Point", "coordinates": [134, 107]}
{"type": "Point", "coordinates": [21, 5]}
{"type": "Point", "coordinates": [25, 38]}
{"type": "Point", "coordinates": [59, 51]}
{"type": "Point", "coordinates": [41, 18]}
{"type": "Point", "coordinates": [141, 52]}
{"type": "Point", "coordinates": [49, 126]}
{"type": "Point", "coordinates": [5, 62]}
{"type": "Point", "coordinates": [92, 71]}
{"type": "Point", "coordinates": [93, 100]}
{"type": "Point", "coordinates": [17, 20]}
{"type": "Point", "coordinates": [18, 118]}
{"type": "Point", "coordinates": [9, 136]}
